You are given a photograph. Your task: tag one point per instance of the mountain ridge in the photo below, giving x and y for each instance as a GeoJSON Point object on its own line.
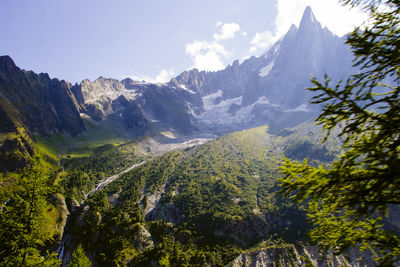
{"type": "Point", "coordinates": [33, 98]}
{"type": "Point", "coordinates": [268, 89]}
{"type": "Point", "coordinates": [158, 200]}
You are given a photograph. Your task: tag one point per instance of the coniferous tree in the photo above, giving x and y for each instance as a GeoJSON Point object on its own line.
{"type": "Point", "coordinates": [24, 224]}
{"type": "Point", "coordinates": [349, 201]}
{"type": "Point", "coordinates": [79, 258]}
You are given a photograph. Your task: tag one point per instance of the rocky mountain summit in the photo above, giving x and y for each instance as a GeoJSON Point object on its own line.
{"type": "Point", "coordinates": [269, 89]}
{"type": "Point", "coordinates": [157, 106]}
{"type": "Point", "coordinates": [142, 180]}
{"type": "Point", "coordinates": [266, 88]}
{"type": "Point", "coordinates": [43, 105]}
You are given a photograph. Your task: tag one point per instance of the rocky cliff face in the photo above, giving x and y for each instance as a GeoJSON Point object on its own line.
{"type": "Point", "coordinates": [128, 113]}
{"type": "Point", "coordinates": [140, 106]}
{"type": "Point", "coordinates": [303, 52]}
{"type": "Point", "coordinates": [283, 72]}
{"type": "Point", "coordinates": [297, 255]}
{"type": "Point", "coordinates": [43, 105]}
{"type": "Point", "coordinates": [32, 104]}
{"type": "Point", "coordinates": [269, 89]}
{"type": "Point", "coordinates": [96, 97]}
{"type": "Point", "coordinates": [261, 90]}
{"type": "Point", "coordinates": [169, 107]}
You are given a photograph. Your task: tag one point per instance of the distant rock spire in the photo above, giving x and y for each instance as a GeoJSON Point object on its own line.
{"type": "Point", "coordinates": [308, 15]}
{"type": "Point", "coordinates": [308, 19]}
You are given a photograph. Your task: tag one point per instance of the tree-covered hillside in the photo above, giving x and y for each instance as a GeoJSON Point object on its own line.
{"type": "Point", "coordinates": [199, 205]}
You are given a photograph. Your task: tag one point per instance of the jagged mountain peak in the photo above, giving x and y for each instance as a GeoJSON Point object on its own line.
{"type": "Point", "coordinates": [6, 63]}
{"type": "Point", "coordinates": [308, 15]}
{"type": "Point", "coordinates": [292, 30]}
{"type": "Point", "coordinates": [308, 20]}
{"type": "Point", "coordinates": [259, 90]}
{"type": "Point", "coordinates": [6, 59]}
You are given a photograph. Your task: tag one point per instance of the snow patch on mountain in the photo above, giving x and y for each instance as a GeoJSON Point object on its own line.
{"type": "Point", "coordinates": [303, 108]}
{"type": "Point", "coordinates": [265, 71]}
{"type": "Point", "coordinates": [130, 94]}
{"type": "Point", "coordinates": [183, 87]}
{"type": "Point", "coordinates": [209, 100]}
{"type": "Point", "coordinates": [213, 109]}
{"type": "Point", "coordinates": [273, 51]}
{"type": "Point", "coordinates": [218, 113]}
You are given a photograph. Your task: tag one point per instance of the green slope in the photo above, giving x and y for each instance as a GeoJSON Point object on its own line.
{"type": "Point", "coordinates": [206, 203]}
{"type": "Point", "coordinates": [63, 146]}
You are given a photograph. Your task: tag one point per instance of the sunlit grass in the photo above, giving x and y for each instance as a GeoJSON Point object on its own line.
{"type": "Point", "coordinates": [47, 147]}
{"type": "Point", "coordinates": [61, 145]}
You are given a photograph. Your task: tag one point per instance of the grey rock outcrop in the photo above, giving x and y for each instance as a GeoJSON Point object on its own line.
{"type": "Point", "coordinates": [297, 255]}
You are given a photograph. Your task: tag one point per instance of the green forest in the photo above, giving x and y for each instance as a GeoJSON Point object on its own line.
{"type": "Point", "coordinates": [331, 183]}
{"type": "Point", "coordinates": [197, 206]}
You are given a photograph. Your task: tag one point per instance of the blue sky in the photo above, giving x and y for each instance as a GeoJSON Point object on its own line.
{"type": "Point", "coordinates": [151, 40]}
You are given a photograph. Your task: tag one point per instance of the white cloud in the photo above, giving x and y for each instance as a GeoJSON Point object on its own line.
{"type": "Point", "coordinates": [228, 31]}
{"type": "Point", "coordinates": [244, 58]}
{"type": "Point", "coordinates": [211, 55]}
{"type": "Point", "coordinates": [203, 46]}
{"type": "Point", "coordinates": [262, 41]}
{"type": "Point", "coordinates": [163, 77]}
{"type": "Point", "coordinates": [207, 55]}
